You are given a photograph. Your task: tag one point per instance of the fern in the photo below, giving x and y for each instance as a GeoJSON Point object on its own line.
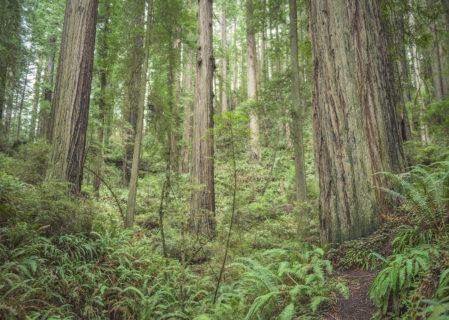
{"type": "Point", "coordinates": [288, 313]}
{"type": "Point", "coordinates": [398, 276]}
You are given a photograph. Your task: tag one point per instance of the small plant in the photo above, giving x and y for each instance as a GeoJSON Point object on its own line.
{"type": "Point", "coordinates": [291, 284]}
{"type": "Point", "coordinates": [438, 307]}
{"type": "Point", "coordinates": [399, 275]}
{"type": "Point", "coordinates": [423, 193]}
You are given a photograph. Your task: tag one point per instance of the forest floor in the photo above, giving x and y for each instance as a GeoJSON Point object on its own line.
{"type": "Point", "coordinates": [358, 306]}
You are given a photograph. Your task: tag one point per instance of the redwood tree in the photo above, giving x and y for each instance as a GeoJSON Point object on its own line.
{"type": "Point", "coordinates": [202, 205]}
{"type": "Point", "coordinates": [251, 59]}
{"type": "Point", "coordinates": [72, 92]}
{"type": "Point", "coordinates": [354, 117]}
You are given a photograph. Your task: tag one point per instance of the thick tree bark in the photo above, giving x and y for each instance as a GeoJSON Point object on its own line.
{"type": "Point", "coordinates": [202, 204]}
{"type": "Point", "coordinates": [251, 62]}
{"type": "Point", "coordinates": [224, 63]}
{"type": "Point", "coordinates": [72, 92]}
{"type": "Point", "coordinates": [129, 222]}
{"type": "Point", "coordinates": [297, 108]}
{"type": "Point", "coordinates": [354, 117]}
{"type": "Point", "coordinates": [10, 21]}
{"type": "Point", "coordinates": [37, 89]}
{"type": "Point", "coordinates": [401, 71]}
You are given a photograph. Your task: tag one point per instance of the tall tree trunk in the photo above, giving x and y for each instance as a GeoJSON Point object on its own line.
{"type": "Point", "coordinates": [46, 117]}
{"type": "Point", "coordinates": [10, 104]}
{"type": "Point", "coordinates": [397, 49]}
{"type": "Point", "coordinates": [251, 61]}
{"type": "Point", "coordinates": [3, 71]}
{"type": "Point", "coordinates": [100, 134]}
{"type": "Point", "coordinates": [278, 50]}
{"type": "Point", "coordinates": [129, 222]}
{"type": "Point", "coordinates": [102, 104]}
{"type": "Point", "coordinates": [224, 65]}
{"type": "Point", "coordinates": [133, 87]}
{"type": "Point", "coordinates": [419, 86]}
{"type": "Point", "coordinates": [354, 117]}
{"type": "Point", "coordinates": [437, 72]}
{"type": "Point", "coordinates": [173, 89]}
{"type": "Point", "coordinates": [72, 92]}
{"type": "Point", "coordinates": [37, 89]}
{"type": "Point", "coordinates": [187, 133]}
{"type": "Point", "coordinates": [202, 203]}
{"type": "Point", "coordinates": [297, 108]}
{"type": "Point", "coordinates": [236, 67]}
{"type": "Point", "coordinates": [22, 100]}
{"type": "Point", "coordinates": [263, 62]}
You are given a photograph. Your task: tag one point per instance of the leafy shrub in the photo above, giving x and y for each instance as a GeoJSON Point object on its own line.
{"type": "Point", "coordinates": [286, 283]}
{"type": "Point", "coordinates": [399, 275]}
{"type": "Point", "coordinates": [438, 307]}
{"type": "Point", "coordinates": [406, 284]}
{"type": "Point", "coordinates": [424, 196]}
{"type": "Point", "coordinates": [111, 275]}
{"type": "Point", "coordinates": [28, 162]}
{"type": "Point", "coordinates": [437, 120]}
{"type": "Point", "coordinates": [49, 205]}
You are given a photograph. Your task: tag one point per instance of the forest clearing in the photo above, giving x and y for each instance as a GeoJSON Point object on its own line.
{"type": "Point", "coordinates": [223, 160]}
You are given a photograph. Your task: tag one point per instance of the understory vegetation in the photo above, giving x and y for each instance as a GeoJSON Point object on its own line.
{"type": "Point", "coordinates": [411, 251]}
{"type": "Point", "coordinates": [224, 160]}
{"type": "Point", "coordinates": [55, 266]}
{"type": "Point", "coordinates": [70, 258]}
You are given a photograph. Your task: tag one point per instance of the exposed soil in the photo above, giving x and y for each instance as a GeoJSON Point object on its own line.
{"type": "Point", "coordinates": [358, 306]}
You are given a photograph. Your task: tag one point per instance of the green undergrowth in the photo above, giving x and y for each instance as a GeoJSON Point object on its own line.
{"type": "Point", "coordinates": [411, 252]}
{"type": "Point", "coordinates": [62, 258]}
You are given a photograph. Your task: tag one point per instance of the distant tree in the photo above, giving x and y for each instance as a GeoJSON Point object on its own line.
{"type": "Point", "coordinates": [224, 62]}
{"type": "Point", "coordinates": [129, 222]}
{"type": "Point", "coordinates": [297, 108]}
{"type": "Point", "coordinates": [103, 55]}
{"type": "Point", "coordinates": [134, 61]}
{"type": "Point", "coordinates": [251, 59]}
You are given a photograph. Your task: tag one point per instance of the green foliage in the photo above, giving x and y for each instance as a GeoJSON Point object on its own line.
{"type": "Point", "coordinates": [398, 276]}
{"type": "Point", "coordinates": [438, 121]}
{"type": "Point", "coordinates": [287, 282]}
{"type": "Point", "coordinates": [438, 307]}
{"type": "Point", "coordinates": [93, 276]}
{"type": "Point", "coordinates": [424, 196]}
{"type": "Point", "coordinates": [28, 162]}
{"type": "Point", "coordinates": [416, 153]}
{"type": "Point", "coordinates": [49, 206]}
{"type": "Point", "coordinates": [405, 287]}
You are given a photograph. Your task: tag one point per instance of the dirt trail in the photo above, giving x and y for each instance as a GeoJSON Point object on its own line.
{"type": "Point", "coordinates": [358, 306]}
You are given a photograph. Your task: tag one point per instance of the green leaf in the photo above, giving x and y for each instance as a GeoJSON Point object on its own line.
{"type": "Point", "coordinates": [317, 301]}
{"type": "Point", "coordinates": [288, 313]}
{"type": "Point", "coordinates": [260, 302]}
